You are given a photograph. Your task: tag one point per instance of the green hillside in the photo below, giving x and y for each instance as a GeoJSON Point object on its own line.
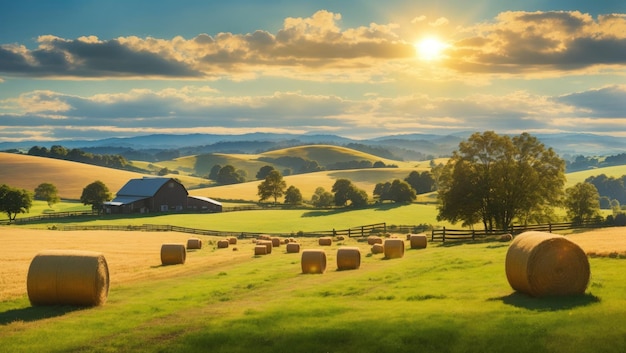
{"type": "Point", "coordinates": [579, 177]}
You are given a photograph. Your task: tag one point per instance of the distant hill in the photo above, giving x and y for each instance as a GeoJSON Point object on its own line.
{"type": "Point", "coordinates": [400, 147]}
{"type": "Point", "coordinates": [27, 172]}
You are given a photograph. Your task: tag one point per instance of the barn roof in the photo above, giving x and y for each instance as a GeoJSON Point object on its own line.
{"type": "Point", "coordinates": [206, 199]}
{"type": "Point", "coordinates": [146, 187]}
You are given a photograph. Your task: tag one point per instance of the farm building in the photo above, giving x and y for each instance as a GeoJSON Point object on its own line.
{"type": "Point", "coordinates": [150, 194]}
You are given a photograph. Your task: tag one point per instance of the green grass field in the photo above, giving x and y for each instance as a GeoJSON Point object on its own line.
{"type": "Point", "coordinates": [440, 299]}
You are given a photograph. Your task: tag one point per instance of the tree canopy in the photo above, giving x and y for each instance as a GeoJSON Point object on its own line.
{"type": "Point", "coordinates": [497, 180]}
{"type": "Point", "coordinates": [322, 198]}
{"type": "Point", "coordinates": [95, 194]}
{"type": "Point", "coordinates": [272, 187]}
{"type": "Point", "coordinates": [47, 192]}
{"type": "Point", "coordinates": [346, 191]}
{"type": "Point", "coordinates": [582, 202]}
{"type": "Point", "coordinates": [293, 196]}
{"type": "Point", "coordinates": [14, 201]}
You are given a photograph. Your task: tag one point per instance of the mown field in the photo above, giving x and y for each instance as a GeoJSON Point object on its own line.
{"type": "Point", "coordinates": [452, 298]}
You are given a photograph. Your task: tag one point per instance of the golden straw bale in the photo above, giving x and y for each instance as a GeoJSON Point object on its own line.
{"type": "Point", "coordinates": [325, 241]}
{"type": "Point", "coordinates": [544, 264]}
{"type": "Point", "coordinates": [394, 248]}
{"type": "Point", "coordinates": [293, 248]}
{"type": "Point", "coordinates": [267, 244]}
{"type": "Point", "coordinates": [276, 242]}
{"type": "Point", "coordinates": [173, 254]}
{"type": "Point", "coordinates": [260, 250]}
{"type": "Point", "coordinates": [372, 239]}
{"type": "Point", "coordinates": [194, 243]}
{"type": "Point", "coordinates": [378, 248]}
{"type": "Point", "coordinates": [505, 237]}
{"type": "Point", "coordinates": [265, 237]}
{"type": "Point", "coordinates": [313, 261]}
{"type": "Point", "coordinates": [68, 277]}
{"type": "Point", "coordinates": [232, 241]}
{"type": "Point", "coordinates": [348, 258]}
{"type": "Point", "coordinates": [340, 238]}
{"type": "Point", "coordinates": [222, 244]}
{"type": "Point", "coordinates": [418, 241]}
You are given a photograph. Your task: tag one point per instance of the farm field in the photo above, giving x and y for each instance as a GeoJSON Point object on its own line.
{"type": "Point", "coordinates": [445, 298]}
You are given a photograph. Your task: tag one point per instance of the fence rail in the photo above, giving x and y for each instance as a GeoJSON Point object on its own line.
{"type": "Point", "coordinates": [360, 231]}
{"type": "Point", "coordinates": [444, 234]}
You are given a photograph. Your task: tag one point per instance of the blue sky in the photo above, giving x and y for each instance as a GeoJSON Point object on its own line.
{"type": "Point", "coordinates": [97, 69]}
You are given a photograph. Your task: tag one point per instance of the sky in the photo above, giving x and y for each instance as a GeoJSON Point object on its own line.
{"type": "Point", "coordinates": [84, 69]}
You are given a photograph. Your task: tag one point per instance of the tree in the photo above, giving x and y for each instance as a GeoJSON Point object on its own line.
{"type": "Point", "coordinates": [346, 191]}
{"type": "Point", "coordinates": [322, 198]}
{"type": "Point", "coordinates": [341, 188]}
{"type": "Point", "coordinates": [421, 182]}
{"type": "Point", "coordinates": [14, 201]}
{"type": "Point", "coordinates": [214, 172]}
{"type": "Point", "coordinates": [381, 190]}
{"type": "Point", "coordinates": [497, 180]}
{"type": "Point", "coordinates": [293, 196]}
{"type": "Point", "coordinates": [95, 194]}
{"type": "Point", "coordinates": [264, 171]}
{"type": "Point", "coordinates": [401, 191]}
{"type": "Point", "coordinates": [582, 202]}
{"type": "Point", "coordinates": [274, 186]}
{"type": "Point", "coordinates": [228, 175]}
{"type": "Point", "coordinates": [47, 192]}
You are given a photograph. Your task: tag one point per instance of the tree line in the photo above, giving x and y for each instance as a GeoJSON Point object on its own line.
{"type": "Point", "coordinates": [76, 155]}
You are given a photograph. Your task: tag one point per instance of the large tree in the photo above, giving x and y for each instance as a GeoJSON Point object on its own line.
{"type": "Point", "coordinates": [322, 198]}
{"type": "Point", "coordinates": [273, 186]}
{"type": "Point", "coordinates": [497, 180]}
{"type": "Point", "coordinates": [264, 171]}
{"type": "Point", "coordinates": [293, 196]}
{"type": "Point", "coordinates": [346, 191]}
{"type": "Point", "coordinates": [582, 202]}
{"type": "Point", "coordinates": [421, 182]}
{"type": "Point", "coordinates": [95, 194]}
{"type": "Point", "coordinates": [229, 175]}
{"type": "Point", "coordinates": [47, 192]}
{"type": "Point", "coordinates": [14, 201]}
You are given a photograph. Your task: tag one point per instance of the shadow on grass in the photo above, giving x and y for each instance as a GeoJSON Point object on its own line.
{"type": "Point", "coordinates": [553, 303]}
{"type": "Point", "coordinates": [35, 313]}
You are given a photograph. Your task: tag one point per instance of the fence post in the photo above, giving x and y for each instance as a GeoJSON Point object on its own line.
{"type": "Point", "coordinates": [385, 227]}
{"type": "Point", "coordinates": [473, 234]}
{"type": "Point", "coordinates": [362, 231]}
{"type": "Point", "coordinates": [550, 227]}
{"type": "Point", "coordinates": [443, 239]}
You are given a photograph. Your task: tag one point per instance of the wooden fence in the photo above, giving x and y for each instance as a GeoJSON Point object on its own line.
{"type": "Point", "coordinates": [361, 231]}
{"type": "Point", "coordinates": [444, 234]}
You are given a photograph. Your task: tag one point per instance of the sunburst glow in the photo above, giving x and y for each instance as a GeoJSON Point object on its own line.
{"type": "Point", "coordinates": [430, 48]}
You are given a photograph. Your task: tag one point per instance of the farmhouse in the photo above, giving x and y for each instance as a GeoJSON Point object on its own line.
{"type": "Point", "coordinates": [149, 194]}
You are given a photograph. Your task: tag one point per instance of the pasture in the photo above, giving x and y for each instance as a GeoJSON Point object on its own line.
{"type": "Point", "coordinates": [445, 298]}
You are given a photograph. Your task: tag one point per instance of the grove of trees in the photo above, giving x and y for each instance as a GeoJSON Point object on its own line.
{"type": "Point", "coordinates": [496, 180]}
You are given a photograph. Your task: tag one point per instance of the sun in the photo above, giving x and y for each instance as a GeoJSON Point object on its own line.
{"type": "Point", "coordinates": [430, 48]}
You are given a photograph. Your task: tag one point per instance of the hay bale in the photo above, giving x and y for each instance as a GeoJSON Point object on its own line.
{"type": "Point", "coordinates": [222, 244]}
{"type": "Point", "coordinates": [194, 243]}
{"type": "Point", "coordinates": [348, 258]}
{"type": "Point", "coordinates": [340, 238]}
{"type": "Point", "coordinates": [68, 277]}
{"type": "Point", "coordinates": [505, 237]}
{"type": "Point", "coordinates": [378, 248]}
{"type": "Point", "coordinates": [173, 254]}
{"type": "Point", "coordinates": [232, 241]}
{"type": "Point", "coordinates": [418, 241]}
{"type": "Point", "coordinates": [276, 242]}
{"type": "Point", "coordinates": [325, 241]}
{"type": "Point", "coordinates": [260, 250]}
{"type": "Point", "coordinates": [293, 248]}
{"type": "Point", "coordinates": [313, 261]}
{"type": "Point", "coordinates": [265, 237]}
{"type": "Point", "coordinates": [267, 244]}
{"type": "Point", "coordinates": [544, 264]}
{"type": "Point", "coordinates": [372, 239]}
{"type": "Point", "coordinates": [394, 248]}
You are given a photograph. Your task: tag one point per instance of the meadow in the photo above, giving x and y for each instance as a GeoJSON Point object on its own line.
{"type": "Point", "coordinates": [445, 298]}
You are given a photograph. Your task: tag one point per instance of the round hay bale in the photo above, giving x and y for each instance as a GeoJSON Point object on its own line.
{"type": "Point", "coordinates": [194, 243]}
{"type": "Point", "coordinates": [173, 254]}
{"type": "Point", "coordinates": [418, 241]}
{"type": "Point", "coordinates": [286, 240]}
{"type": "Point", "coordinates": [378, 248]}
{"type": "Point", "coordinates": [325, 241]}
{"type": "Point", "coordinates": [265, 237]}
{"type": "Point", "coordinates": [222, 244]}
{"type": "Point", "coordinates": [68, 277]}
{"type": "Point", "coordinates": [260, 250]}
{"type": "Point", "coordinates": [232, 241]}
{"type": "Point", "coordinates": [505, 237]}
{"type": "Point", "coordinates": [313, 261]}
{"type": "Point", "coordinates": [394, 248]}
{"type": "Point", "coordinates": [348, 258]}
{"type": "Point", "coordinates": [544, 264]}
{"type": "Point", "coordinates": [293, 248]}
{"type": "Point", "coordinates": [340, 238]}
{"type": "Point", "coordinates": [372, 239]}
{"type": "Point", "coordinates": [267, 244]}
{"type": "Point", "coordinates": [276, 242]}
